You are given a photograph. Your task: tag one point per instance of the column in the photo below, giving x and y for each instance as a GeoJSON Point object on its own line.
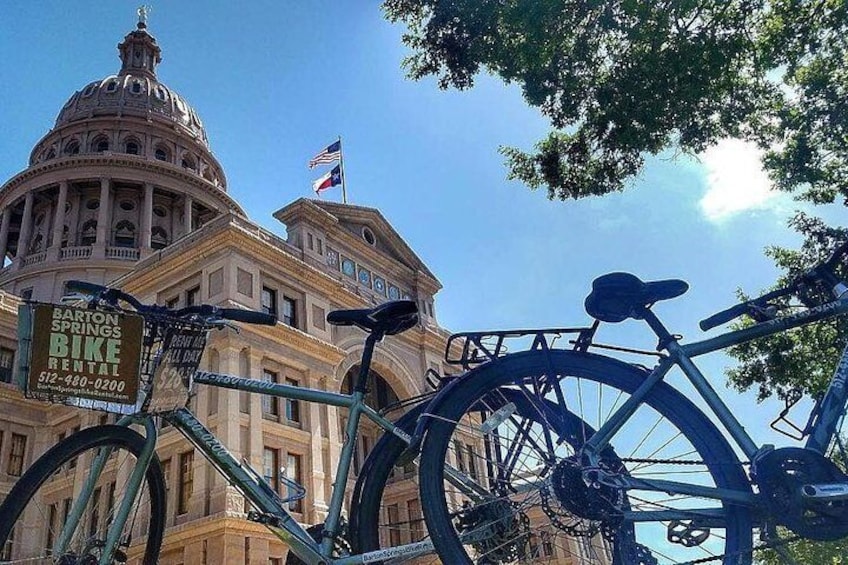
{"type": "Point", "coordinates": [104, 217]}
{"type": "Point", "coordinates": [187, 214]}
{"type": "Point", "coordinates": [317, 452]}
{"type": "Point", "coordinates": [146, 219]}
{"type": "Point", "coordinates": [4, 233]}
{"type": "Point", "coordinates": [26, 227]}
{"type": "Point", "coordinates": [59, 220]}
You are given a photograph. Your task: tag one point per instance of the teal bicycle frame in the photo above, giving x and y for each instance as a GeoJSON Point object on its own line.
{"type": "Point", "coordinates": [271, 507]}
{"type": "Point", "coordinates": [822, 423]}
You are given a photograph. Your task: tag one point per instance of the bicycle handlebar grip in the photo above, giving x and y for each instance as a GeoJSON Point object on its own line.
{"type": "Point", "coordinates": [247, 316]}
{"type": "Point", "coordinates": [85, 287]}
{"type": "Point", "coordinates": [724, 316]}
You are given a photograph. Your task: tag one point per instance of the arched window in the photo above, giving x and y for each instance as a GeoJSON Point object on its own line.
{"type": "Point", "coordinates": [88, 234]}
{"type": "Point", "coordinates": [72, 148]}
{"type": "Point", "coordinates": [380, 394]}
{"type": "Point", "coordinates": [100, 144]}
{"type": "Point", "coordinates": [161, 154]}
{"type": "Point", "coordinates": [132, 147]}
{"type": "Point", "coordinates": [124, 234]}
{"type": "Point", "coordinates": [158, 238]}
{"type": "Point", "coordinates": [188, 163]}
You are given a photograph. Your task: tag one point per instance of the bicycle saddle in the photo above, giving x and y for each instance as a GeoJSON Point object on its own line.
{"type": "Point", "coordinates": [389, 318]}
{"type": "Point", "coordinates": [618, 296]}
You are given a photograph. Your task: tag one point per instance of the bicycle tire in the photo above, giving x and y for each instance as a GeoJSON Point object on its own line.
{"type": "Point", "coordinates": [51, 463]}
{"type": "Point", "coordinates": [369, 528]}
{"type": "Point", "coordinates": [523, 371]}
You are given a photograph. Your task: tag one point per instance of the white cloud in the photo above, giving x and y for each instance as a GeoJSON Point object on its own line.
{"type": "Point", "coordinates": [735, 180]}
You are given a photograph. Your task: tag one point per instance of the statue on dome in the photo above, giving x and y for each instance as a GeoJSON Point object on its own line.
{"type": "Point", "coordinates": [143, 12]}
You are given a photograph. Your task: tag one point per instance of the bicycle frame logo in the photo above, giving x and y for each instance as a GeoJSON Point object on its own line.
{"type": "Point", "coordinates": [82, 353]}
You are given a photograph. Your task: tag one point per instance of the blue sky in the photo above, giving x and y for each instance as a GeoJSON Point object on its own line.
{"type": "Point", "coordinates": [276, 81]}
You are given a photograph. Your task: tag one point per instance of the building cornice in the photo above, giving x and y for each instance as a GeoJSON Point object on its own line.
{"type": "Point", "coordinates": [112, 164]}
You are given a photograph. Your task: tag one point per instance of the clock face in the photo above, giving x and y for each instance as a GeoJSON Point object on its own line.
{"type": "Point", "coordinates": [379, 285]}
{"type": "Point", "coordinates": [348, 267]}
{"type": "Point", "coordinates": [365, 277]}
{"type": "Point", "coordinates": [394, 293]}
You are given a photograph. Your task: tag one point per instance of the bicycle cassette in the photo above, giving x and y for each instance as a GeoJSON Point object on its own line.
{"type": "Point", "coordinates": [782, 475]}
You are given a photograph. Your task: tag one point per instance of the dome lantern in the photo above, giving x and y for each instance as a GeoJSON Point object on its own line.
{"type": "Point", "coordinates": [139, 52]}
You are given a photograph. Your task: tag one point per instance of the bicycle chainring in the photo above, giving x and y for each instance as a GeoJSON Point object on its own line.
{"type": "Point", "coordinates": [782, 473]}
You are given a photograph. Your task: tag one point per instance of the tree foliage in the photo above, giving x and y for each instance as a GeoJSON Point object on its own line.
{"type": "Point", "coordinates": [801, 361]}
{"type": "Point", "coordinates": [622, 79]}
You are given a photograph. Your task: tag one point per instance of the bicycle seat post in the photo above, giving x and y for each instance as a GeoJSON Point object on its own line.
{"type": "Point", "coordinates": [361, 384]}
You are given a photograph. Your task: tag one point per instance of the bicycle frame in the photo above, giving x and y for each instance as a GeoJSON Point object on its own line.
{"type": "Point", "coordinates": [248, 482]}
{"type": "Point", "coordinates": [821, 431]}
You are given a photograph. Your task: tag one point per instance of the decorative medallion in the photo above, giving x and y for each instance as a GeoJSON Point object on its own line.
{"type": "Point", "coordinates": [394, 293]}
{"type": "Point", "coordinates": [333, 258]}
{"type": "Point", "coordinates": [348, 267]}
{"type": "Point", "coordinates": [365, 277]}
{"type": "Point", "coordinates": [380, 285]}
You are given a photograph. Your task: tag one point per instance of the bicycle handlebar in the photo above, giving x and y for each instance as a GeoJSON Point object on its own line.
{"type": "Point", "coordinates": [207, 311]}
{"type": "Point", "coordinates": [756, 308]}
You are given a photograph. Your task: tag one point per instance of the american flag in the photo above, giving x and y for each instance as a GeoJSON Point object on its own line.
{"type": "Point", "coordinates": [329, 154]}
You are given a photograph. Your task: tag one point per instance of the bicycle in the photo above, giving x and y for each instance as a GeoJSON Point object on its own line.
{"type": "Point", "coordinates": [570, 452]}
{"type": "Point", "coordinates": [165, 346]}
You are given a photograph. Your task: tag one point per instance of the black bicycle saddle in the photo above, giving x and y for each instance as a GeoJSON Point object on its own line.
{"type": "Point", "coordinates": [618, 296]}
{"type": "Point", "coordinates": [389, 318]}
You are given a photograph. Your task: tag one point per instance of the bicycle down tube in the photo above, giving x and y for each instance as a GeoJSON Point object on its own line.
{"type": "Point", "coordinates": [264, 498]}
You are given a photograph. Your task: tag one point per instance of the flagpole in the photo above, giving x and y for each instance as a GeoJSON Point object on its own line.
{"type": "Point", "coordinates": [341, 169]}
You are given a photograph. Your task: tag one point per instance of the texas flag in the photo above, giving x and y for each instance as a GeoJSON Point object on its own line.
{"type": "Point", "coordinates": [329, 180]}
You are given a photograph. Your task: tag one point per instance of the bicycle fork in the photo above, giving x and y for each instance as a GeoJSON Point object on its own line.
{"type": "Point", "coordinates": [119, 520]}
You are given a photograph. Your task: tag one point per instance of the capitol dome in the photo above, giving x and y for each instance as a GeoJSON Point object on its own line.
{"type": "Point", "coordinates": [134, 91]}
{"type": "Point", "coordinates": [125, 171]}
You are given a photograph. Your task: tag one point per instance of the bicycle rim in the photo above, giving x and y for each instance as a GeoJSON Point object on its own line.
{"type": "Point", "coordinates": [520, 441]}
{"type": "Point", "coordinates": [33, 514]}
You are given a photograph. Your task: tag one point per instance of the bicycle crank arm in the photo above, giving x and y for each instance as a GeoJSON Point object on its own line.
{"type": "Point", "coordinates": [825, 492]}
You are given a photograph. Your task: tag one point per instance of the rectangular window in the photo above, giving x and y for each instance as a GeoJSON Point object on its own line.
{"type": "Point", "coordinates": [7, 361]}
{"type": "Point", "coordinates": [166, 472]}
{"type": "Point", "coordinates": [110, 504]}
{"type": "Point", "coordinates": [94, 513]}
{"type": "Point", "coordinates": [460, 455]}
{"type": "Point", "coordinates": [290, 311]}
{"type": "Point", "coordinates": [292, 405]}
{"type": "Point", "coordinates": [472, 461]}
{"type": "Point", "coordinates": [309, 242]}
{"type": "Point", "coordinates": [271, 467]}
{"type": "Point", "coordinates": [193, 296]}
{"type": "Point", "coordinates": [16, 455]}
{"type": "Point", "coordinates": [416, 520]}
{"type": "Point", "coordinates": [547, 544]}
{"type": "Point", "coordinates": [186, 481]}
{"type": "Point", "coordinates": [172, 302]}
{"type": "Point", "coordinates": [393, 516]}
{"type": "Point", "coordinates": [269, 300]}
{"type": "Point", "coordinates": [275, 561]}
{"type": "Point", "coordinates": [51, 525]}
{"type": "Point", "coordinates": [294, 472]}
{"type": "Point", "coordinates": [26, 294]}
{"type": "Point", "coordinates": [270, 404]}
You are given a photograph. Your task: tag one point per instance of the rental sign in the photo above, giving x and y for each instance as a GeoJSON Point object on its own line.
{"type": "Point", "coordinates": [77, 352]}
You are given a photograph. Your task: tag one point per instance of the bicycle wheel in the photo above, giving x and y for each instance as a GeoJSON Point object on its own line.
{"type": "Point", "coordinates": [382, 488]}
{"type": "Point", "coordinates": [33, 514]}
{"type": "Point", "coordinates": [515, 427]}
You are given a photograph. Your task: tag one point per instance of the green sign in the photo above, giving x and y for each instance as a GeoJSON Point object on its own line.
{"type": "Point", "coordinates": [77, 352]}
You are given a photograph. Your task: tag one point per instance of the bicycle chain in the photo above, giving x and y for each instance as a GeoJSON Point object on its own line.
{"type": "Point", "coordinates": [761, 547]}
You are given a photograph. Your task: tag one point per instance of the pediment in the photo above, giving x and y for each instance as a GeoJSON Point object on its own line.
{"type": "Point", "coordinates": [357, 227]}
